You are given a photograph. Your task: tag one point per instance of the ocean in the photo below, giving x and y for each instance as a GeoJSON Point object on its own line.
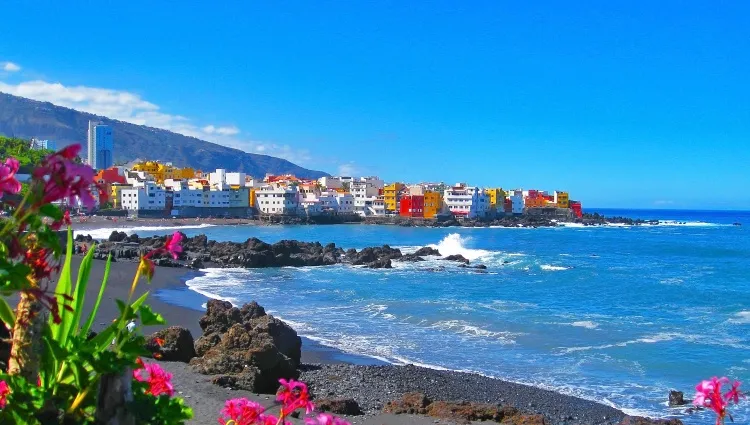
{"type": "Point", "coordinates": [616, 314]}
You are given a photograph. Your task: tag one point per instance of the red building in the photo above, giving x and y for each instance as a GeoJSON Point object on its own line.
{"type": "Point", "coordinates": [508, 205]}
{"type": "Point", "coordinates": [576, 207]}
{"type": "Point", "coordinates": [412, 206]}
{"type": "Point", "coordinates": [104, 180]}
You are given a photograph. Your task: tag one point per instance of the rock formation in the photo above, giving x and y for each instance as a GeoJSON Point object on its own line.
{"type": "Point", "coordinates": [246, 348]}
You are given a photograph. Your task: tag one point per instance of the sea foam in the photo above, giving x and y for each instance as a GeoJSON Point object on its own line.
{"type": "Point", "coordinates": [104, 233]}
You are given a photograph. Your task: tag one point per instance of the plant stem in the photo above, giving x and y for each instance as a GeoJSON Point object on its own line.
{"type": "Point", "coordinates": [27, 338]}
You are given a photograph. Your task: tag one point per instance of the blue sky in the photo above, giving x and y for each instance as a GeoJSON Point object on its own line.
{"type": "Point", "coordinates": [623, 103]}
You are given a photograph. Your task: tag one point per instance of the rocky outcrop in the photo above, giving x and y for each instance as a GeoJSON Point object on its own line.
{"type": "Point", "coordinates": [676, 398]}
{"type": "Point", "coordinates": [462, 412]}
{"type": "Point", "coordinates": [174, 343]}
{"type": "Point", "coordinates": [338, 406]}
{"type": "Point", "coordinates": [246, 348]}
{"type": "Point", "coordinates": [199, 252]}
{"type": "Point", "coordinates": [427, 251]}
{"type": "Point", "coordinates": [457, 257]}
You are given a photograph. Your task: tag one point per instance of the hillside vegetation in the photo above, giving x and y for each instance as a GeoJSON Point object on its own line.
{"type": "Point", "coordinates": [20, 149]}
{"type": "Point", "coordinates": [26, 118]}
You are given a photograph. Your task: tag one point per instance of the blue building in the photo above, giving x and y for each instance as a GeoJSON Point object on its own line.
{"type": "Point", "coordinates": [100, 146]}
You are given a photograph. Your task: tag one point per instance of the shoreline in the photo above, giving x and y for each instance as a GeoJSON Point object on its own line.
{"type": "Point", "coordinates": [331, 372]}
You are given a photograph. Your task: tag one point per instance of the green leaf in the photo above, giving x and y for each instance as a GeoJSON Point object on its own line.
{"type": "Point", "coordinates": [90, 322]}
{"type": "Point", "coordinates": [72, 320]}
{"type": "Point", "coordinates": [149, 317]}
{"type": "Point", "coordinates": [104, 338]}
{"type": "Point", "coordinates": [6, 313]}
{"type": "Point", "coordinates": [51, 211]}
{"type": "Point", "coordinates": [64, 285]}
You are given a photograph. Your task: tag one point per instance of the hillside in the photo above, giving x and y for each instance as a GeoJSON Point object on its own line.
{"type": "Point", "coordinates": [25, 118]}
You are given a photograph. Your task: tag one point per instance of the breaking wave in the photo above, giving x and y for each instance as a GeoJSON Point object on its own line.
{"type": "Point", "coordinates": [454, 244]}
{"type": "Point", "coordinates": [104, 233]}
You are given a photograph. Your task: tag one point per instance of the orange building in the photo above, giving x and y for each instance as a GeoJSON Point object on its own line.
{"type": "Point", "coordinates": [433, 203]}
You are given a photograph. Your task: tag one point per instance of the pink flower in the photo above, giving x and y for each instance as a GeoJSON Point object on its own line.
{"type": "Point", "coordinates": [294, 395]}
{"type": "Point", "coordinates": [8, 182]}
{"type": "Point", "coordinates": [734, 394]}
{"type": "Point", "coordinates": [241, 411]}
{"type": "Point", "coordinates": [708, 394]}
{"type": "Point", "coordinates": [325, 419]}
{"type": "Point", "coordinates": [4, 391]}
{"type": "Point", "coordinates": [159, 380]}
{"type": "Point", "coordinates": [173, 246]}
{"type": "Point", "coordinates": [271, 420]}
{"type": "Point", "coordinates": [63, 179]}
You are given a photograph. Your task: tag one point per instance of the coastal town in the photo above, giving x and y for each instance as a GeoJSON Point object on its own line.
{"type": "Point", "coordinates": [149, 188]}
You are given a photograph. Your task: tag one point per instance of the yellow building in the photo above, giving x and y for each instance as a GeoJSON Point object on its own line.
{"type": "Point", "coordinates": [252, 201]}
{"type": "Point", "coordinates": [497, 198]}
{"type": "Point", "coordinates": [563, 199]}
{"type": "Point", "coordinates": [162, 172]}
{"type": "Point", "coordinates": [115, 194]}
{"type": "Point", "coordinates": [391, 196]}
{"type": "Point", "coordinates": [433, 203]}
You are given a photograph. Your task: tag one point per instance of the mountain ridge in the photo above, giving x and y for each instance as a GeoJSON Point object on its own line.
{"type": "Point", "coordinates": [27, 118]}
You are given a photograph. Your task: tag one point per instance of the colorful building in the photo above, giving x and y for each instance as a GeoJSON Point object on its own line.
{"type": "Point", "coordinates": [497, 198]}
{"type": "Point", "coordinates": [535, 199]}
{"type": "Point", "coordinates": [562, 199]}
{"type": "Point", "coordinates": [433, 203]}
{"type": "Point", "coordinates": [577, 209]}
{"type": "Point", "coordinates": [161, 172]}
{"type": "Point", "coordinates": [412, 206]}
{"type": "Point", "coordinates": [391, 195]}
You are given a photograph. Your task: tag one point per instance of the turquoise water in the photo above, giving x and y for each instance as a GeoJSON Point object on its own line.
{"type": "Point", "coordinates": [615, 314]}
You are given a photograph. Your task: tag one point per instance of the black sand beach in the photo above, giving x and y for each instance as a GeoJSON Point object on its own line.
{"type": "Point", "coordinates": [331, 373]}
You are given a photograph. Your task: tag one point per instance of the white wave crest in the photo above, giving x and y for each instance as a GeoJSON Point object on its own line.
{"type": "Point", "coordinates": [551, 268]}
{"type": "Point", "coordinates": [454, 244]}
{"type": "Point", "coordinates": [743, 317]}
{"type": "Point", "coordinates": [464, 328]}
{"type": "Point", "coordinates": [588, 324]}
{"type": "Point", "coordinates": [104, 233]}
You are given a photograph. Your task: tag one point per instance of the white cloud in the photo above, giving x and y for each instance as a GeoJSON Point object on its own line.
{"type": "Point", "coordinates": [348, 169]}
{"type": "Point", "coordinates": [224, 131]}
{"type": "Point", "coordinates": [11, 67]}
{"type": "Point", "coordinates": [131, 107]}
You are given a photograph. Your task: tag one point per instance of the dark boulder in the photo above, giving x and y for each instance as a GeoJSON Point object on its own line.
{"type": "Point", "coordinates": [383, 263]}
{"type": "Point", "coordinates": [637, 420]}
{"type": "Point", "coordinates": [676, 398]}
{"type": "Point", "coordinates": [412, 258]}
{"type": "Point", "coordinates": [338, 406]}
{"type": "Point", "coordinates": [220, 315]}
{"type": "Point", "coordinates": [172, 344]}
{"type": "Point", "coordinates": [116, 236]}
{"type": "Point", "coordinates": [427, 251]}
{"type": "Point", "coordinates": [246, 348]}
{"type": "Point", "coordinates": [457, 257]}
{"type": "Point", "coordinates": [133, 238]}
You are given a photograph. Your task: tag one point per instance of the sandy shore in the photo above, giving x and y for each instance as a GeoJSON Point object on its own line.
{"type": "Point", "coordinates": [330, 372]}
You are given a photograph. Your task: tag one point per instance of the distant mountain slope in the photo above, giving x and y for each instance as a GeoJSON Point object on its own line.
{"type": "Point", "coordinates": [26, 118]}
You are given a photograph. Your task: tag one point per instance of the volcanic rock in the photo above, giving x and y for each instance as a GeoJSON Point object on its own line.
{"type": "Point", "coordinates": [676, 398]}
{"type": "Point", "coordinates": [172, 344]}
{"type": "Point", "coordinates": [246, 348]}
{"type": "Point", "coordinates": [457, 257]}
{"type": "Point", "coordinates": [427, 251]}
{"type": "Point", "coordinates": [338, 406]}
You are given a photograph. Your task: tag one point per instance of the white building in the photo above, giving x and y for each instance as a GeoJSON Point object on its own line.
{"type": "Point", "coordinates": [378, 206]}
{"type": "Point", "coordinates": [149, 197]}
{"type": "Point", "coordinates": [364, 189]}
{"type": "Point", "coordinates": [277, 200]}
{"type": "Point", "coordinates": [345, 203]}
{"type": "Point", "coordinates": [466, 201]}
{"type": "Point", "coordinates": [310, 207]}
{"type": "Point", "coordinates": [517, 201]}
{"type": "Point", "coordinates": [330, 182]}
{"type": "Point", "coordinates": [100, 146]}
{"type": "Point", "coordinates": [37, 144]}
